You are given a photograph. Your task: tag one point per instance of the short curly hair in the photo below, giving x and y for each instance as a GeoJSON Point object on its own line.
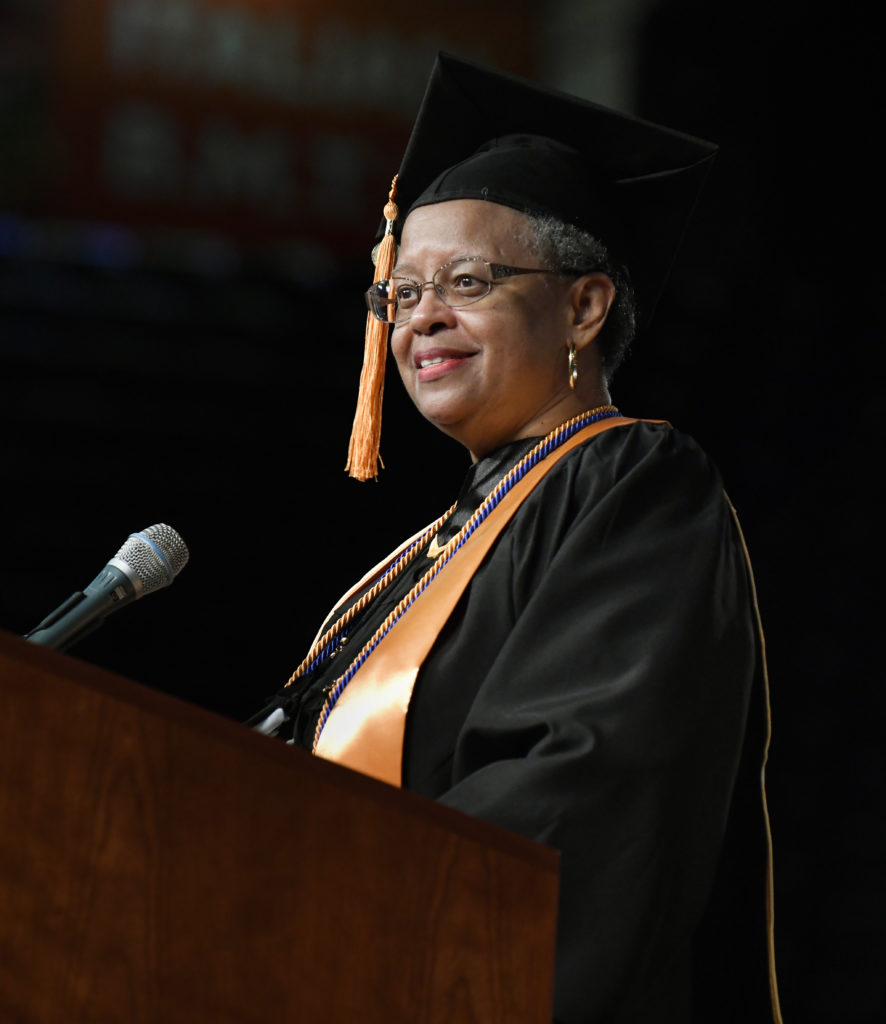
{"type": "Point", "coordinates": [568, 249]}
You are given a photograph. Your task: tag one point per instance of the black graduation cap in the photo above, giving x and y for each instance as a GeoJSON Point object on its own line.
{"type": "Point", "coordinates": [484, 134]}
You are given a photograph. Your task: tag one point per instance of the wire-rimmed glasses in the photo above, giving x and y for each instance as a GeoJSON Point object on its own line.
{"type": "Point", "coordinates": [459, 282]}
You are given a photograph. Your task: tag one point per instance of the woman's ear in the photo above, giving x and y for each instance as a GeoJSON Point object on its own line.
{"type": "Point", "coordinates": [591, 297]}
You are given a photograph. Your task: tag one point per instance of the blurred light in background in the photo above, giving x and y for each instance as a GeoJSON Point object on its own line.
{"type": "Point", "coordinates": [270, 122]}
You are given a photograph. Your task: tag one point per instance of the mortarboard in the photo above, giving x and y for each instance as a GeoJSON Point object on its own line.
{"type": "Point", "coordinates": [484, 134]}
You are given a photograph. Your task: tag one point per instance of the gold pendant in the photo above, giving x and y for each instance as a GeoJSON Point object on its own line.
{"type": "Point", "coordinates": [434, 549]}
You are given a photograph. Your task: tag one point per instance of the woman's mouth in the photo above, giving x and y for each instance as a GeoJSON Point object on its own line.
{"type": "Point", "coordinates": [439, 364]}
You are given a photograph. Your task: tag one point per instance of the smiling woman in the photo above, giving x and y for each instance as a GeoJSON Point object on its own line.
{"type": "Point", "coordinates": [496, 370]}
{"type": "Point", "coordinates": [571, 650]}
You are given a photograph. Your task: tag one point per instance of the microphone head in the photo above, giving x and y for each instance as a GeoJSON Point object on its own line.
{"type": "Point", "coordinates": [155, 556]}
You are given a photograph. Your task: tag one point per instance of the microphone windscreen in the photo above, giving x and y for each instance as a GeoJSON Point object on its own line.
{"type": "Point", "coordinates": [156, 556]}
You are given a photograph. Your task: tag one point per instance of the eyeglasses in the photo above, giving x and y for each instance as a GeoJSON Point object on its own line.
{"type": "Point", "coordinates": [460, 282]}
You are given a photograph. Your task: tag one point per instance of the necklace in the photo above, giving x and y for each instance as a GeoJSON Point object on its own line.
{"type": "Point", "coordinates": [338, 632]}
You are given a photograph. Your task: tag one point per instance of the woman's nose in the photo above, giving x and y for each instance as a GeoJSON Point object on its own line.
{"type": "Point", "coordinates": [431, 312]}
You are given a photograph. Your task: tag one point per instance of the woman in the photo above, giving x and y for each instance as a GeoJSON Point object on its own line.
{"type": "Point", "coordinates": [570, 651]}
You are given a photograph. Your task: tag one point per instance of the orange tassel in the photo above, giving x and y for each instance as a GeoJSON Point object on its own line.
{"type": "Point", "coordinates": [363, 450]}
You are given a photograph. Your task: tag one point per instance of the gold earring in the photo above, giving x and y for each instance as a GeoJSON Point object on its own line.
{"type": "Point", "coordinates": [573, 367]}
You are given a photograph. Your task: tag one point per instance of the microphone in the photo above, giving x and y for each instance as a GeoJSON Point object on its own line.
{"type": "Point", "coordinates": [147, 562]}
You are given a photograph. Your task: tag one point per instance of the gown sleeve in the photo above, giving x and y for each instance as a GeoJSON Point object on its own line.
{"type": "Point", "coordinates": [590, 691]}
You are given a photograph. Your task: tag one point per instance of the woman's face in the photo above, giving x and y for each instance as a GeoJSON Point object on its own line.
{"type": "Point", "coordinates": [503, 373]}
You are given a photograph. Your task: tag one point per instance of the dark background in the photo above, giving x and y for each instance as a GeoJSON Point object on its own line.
{"type": "Point", "coordinates": [216, 395]}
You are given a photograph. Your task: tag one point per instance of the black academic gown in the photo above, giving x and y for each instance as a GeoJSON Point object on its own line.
{"type": "Point", "coordinates": [590, 691]}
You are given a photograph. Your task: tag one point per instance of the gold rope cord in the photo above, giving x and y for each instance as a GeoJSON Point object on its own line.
{"type": "Point", "coordinates": [444, 553]}
{"type": "Point", "coordinates": [357, 608]}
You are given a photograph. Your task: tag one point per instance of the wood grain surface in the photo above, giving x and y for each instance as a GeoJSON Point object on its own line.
{"type": "Point", "coordinates": [160, 863]}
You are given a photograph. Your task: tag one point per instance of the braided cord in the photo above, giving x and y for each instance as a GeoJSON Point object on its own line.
{"type": "Point", "coordinates": [536, 455]}
{"type": "Point", "coordinates": [327, 643]}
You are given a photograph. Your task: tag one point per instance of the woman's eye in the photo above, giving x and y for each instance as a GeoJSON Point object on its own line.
{"type": "Point", "coordinates": [468, 283]}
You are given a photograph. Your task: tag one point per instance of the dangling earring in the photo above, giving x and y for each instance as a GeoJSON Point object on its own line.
{"type": "Point", "coordinates": [573, 367]}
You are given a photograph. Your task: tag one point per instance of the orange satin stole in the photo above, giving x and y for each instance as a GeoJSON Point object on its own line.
{"type": "Point", "coordinates": [366, 727]}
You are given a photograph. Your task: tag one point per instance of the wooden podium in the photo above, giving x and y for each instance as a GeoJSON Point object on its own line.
{"type": "Point", "coordinates": [159, 863]}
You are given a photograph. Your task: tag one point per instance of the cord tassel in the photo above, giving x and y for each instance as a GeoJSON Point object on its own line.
{"type": "Point", "coordinates": [363, 449]}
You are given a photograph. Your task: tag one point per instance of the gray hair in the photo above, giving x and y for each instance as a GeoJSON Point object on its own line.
{"type": "Point", "coordinates": [568, 249]}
